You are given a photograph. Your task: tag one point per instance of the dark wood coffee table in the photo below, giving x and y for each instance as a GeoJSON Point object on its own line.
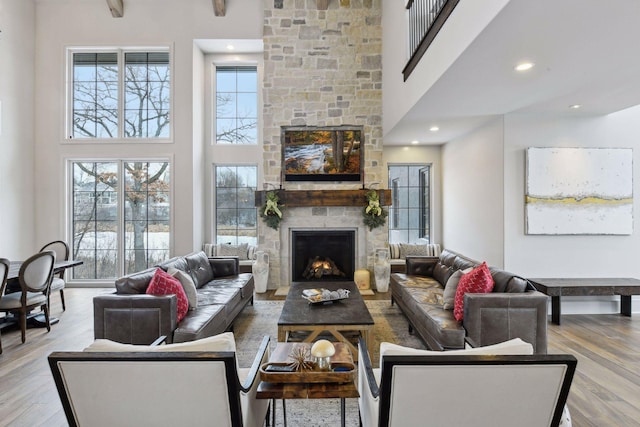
{"type": "Point", "coordinates": [338, 318]}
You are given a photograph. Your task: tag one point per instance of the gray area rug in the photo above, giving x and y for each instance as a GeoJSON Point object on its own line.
{"type": "Point", "coordinates": [261, 319]}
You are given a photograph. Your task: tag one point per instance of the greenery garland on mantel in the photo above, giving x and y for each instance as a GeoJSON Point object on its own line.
{"type": "Point", "coordinates": [271, 211]}
{"type": "Point", "coordinates": [373, 214]}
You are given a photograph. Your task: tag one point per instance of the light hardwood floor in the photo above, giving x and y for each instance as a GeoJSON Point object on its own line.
{"type": "Point", "coordinates": [605, 390]}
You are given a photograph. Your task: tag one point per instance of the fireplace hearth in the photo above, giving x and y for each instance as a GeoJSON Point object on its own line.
{"type": "Point", "coordinates": [322, 255]}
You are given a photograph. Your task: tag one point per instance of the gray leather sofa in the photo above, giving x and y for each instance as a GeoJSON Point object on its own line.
{"type": "Point", "coordinates": [130, 316]}
{"type": "Point", "coordinates": [513, 310]}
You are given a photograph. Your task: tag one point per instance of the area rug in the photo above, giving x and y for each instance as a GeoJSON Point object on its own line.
{"type": "Point", "coordinates": [261, 319]}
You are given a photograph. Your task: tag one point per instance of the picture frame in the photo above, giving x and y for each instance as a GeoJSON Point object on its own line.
{"type": "Point", "coordinates": [333, 153]}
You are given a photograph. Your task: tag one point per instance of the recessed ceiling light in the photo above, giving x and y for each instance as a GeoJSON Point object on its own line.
{"type": "Point", "coordinates": [434, 128]}
{"type": "Point", "coordinates": [414, 142]}
{"type": "Point", "coordinates": [230, 47]}
{"type": "Point", "coordinates": [524, 66]}
{"type": "Point", "coordinates": [575, 106]}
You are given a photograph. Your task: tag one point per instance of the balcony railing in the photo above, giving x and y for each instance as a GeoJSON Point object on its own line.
{"type": "Point", "coordinates": [426, 18]}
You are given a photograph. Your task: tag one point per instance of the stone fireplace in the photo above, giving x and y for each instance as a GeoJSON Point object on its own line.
{"type": "Point", "coordinates": [322, 68]}
{"type": "Point", "coordinates": [322, 255]}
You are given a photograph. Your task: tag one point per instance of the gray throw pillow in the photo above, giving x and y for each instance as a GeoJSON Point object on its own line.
{"type": "Point", "coordinates": [234, 250]}
{"type": "Point", "coordinates": [449, 294]}
{"type": "Point", "coordinates": [187, 283]}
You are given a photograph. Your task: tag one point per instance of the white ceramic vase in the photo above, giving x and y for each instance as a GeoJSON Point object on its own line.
{"type": "Point", "coordinates": [260, 270]}
{"type": "Point", "coordinates": [382, 269]}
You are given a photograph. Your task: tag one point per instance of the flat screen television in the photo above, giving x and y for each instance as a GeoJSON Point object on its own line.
{"type": "Point", "coordinates": [322, 153]}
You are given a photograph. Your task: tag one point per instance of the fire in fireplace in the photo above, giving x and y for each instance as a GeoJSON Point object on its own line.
{"type": "Point", "coordinates": [322, 255]}
{"type": "Point", "coordinates": [319, 266]}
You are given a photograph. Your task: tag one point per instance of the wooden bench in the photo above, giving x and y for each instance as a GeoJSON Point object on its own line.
{"type": "Point", "coordinates": [556, 288]}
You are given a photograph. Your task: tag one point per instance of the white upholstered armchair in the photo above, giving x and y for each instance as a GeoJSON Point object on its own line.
{"type": "Point", "coordinates": [191, 384]}
{"type": "Point", "coordinates": [499, 385]}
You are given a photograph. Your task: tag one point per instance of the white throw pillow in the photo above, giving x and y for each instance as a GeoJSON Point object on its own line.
{"type": "Point", "coordinates": [222, 342]}
{"type": "Point", "coordinates": [449, 293]}
{"type": "Point", "coordinates": [187, 283]}
{"type": "Point", "coordinates": [512, 347]}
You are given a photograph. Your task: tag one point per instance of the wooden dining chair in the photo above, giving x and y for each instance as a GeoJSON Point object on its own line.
{"type": "Point", "coordinates": [35, 280]}
{"type": "Point", "coordinates": [4, 271]}
{"type": "Point", "coordinates": [62, 254]}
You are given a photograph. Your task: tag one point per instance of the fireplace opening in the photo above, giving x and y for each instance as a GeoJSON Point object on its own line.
{"type": "Point", "coordinates": [322, 255]}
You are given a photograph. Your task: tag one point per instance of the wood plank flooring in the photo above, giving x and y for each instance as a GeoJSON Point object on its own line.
{"type": "Point", "coordinates": [605, 390]}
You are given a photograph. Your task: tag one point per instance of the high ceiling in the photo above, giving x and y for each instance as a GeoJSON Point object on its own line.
{"type": "Point", "coordinates": [585, 52]}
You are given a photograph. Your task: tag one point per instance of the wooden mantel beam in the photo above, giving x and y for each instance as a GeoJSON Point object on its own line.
{"type": "Point", "coordinates": [116, 7]}
{"type": "Point", "coordinates": [218, 7]}
{"type": "Point", "coordinates": [311, 198]}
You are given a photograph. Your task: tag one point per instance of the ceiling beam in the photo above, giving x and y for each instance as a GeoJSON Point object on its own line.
{"type": "Point", "coordinates": [116, 7]}
{"type": "Point", "coordinates": [218, 7]}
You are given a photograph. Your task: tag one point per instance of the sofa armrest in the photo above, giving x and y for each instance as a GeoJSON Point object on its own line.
{"type": "Point", "coordinates": [368, 387]}
{"type": "Point", "coordinates": [134, 319]}
{"type": "Point", "coordinates": [225, 266]}
{"type": "Point", "coordinates": [254, 410]}
{"type": "Point", "coordinates": [496, 317]}
{"type": "Point", "coordinates": [421, 265]}
{"type": "Point", "coordinates": [262, 356]}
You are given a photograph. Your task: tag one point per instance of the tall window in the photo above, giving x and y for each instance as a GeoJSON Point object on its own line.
{"type": "Point", "coordinates": [236, 105]}
{"type": "Point", "coordinates": [235, 209]}
{"type": "Point", "coordinates": [120, 94]}
{"type": "Point", "coordinates": [410, 213]}
{"type": "Point", "coordinates": [120, 217]}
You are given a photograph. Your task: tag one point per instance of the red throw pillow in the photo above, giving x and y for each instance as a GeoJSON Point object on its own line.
{"type": "Point", "coordinates": [163, 283]}
{"type": "Point", "coordinates": [477, 281]}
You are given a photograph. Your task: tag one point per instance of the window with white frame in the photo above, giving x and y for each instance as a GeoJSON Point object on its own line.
{"type": "Point", "coordinates": [236, 105]}
{"type": "Point", "coordinates": [120, 216]}
{"type": "Point", "coordinates": [410, 212]}
{"type": "Point", "coordinates": [120, 94]}
{"type": "Point", "coordinates": [235, 211]}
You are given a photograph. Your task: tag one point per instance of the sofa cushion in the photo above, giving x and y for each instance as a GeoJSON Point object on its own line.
{"type": "Point", "coordinates": [477, 281]}
{"type": "Point", "coordinates": [163, 283]}
{"type": "Point", "coordinates": [199, 268]}
{"type": "Point", "coordinates": [441, 273]}
{"type": "Point", "coordinates": [241, 251]}
{"type": "Point", "coordinates": [179, 263]}
{"type": "Point", "coordinates": [449, 294]}
{"type": "Point", "coordinates": [438, 323]}
{"type": "Point", "coordinates": [187, 284]}
{"type": "Point", "coordinates": [135, 283]}
{"type": "Point", "coordinates": [221, 342]}
{"type": "Point", "coordinates": [204, 322]}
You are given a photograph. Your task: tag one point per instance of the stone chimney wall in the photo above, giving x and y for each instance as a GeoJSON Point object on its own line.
{"type": "Point", "coordinates": [321, 68]}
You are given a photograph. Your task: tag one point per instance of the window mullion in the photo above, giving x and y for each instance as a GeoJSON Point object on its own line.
{"type": "Point", "coordinates": [121, 93]}
{"type": "Point", "coordinates": [121, 219]}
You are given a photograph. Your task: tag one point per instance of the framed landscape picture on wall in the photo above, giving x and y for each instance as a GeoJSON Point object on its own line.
{"type": "Point", "coordinates": [322, 153]}
{"type": "Point", "coordinates": [579, 191]}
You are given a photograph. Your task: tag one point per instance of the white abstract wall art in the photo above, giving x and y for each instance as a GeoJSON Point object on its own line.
{"type": "Point", "coordinates": [579, 191]}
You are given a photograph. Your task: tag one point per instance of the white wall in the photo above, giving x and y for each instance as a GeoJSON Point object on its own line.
{"type": "Point", "coordinates": [17, 67]}
{"type": "Point", "coordinates": [472, 194]}
{"type": "Point", "coordinates": [424, 155]}
{"type": "Point", "coordinates": [467, 21]}
{"type": "Point", "coordinates": [568, 256]}
{"type": "Point", "coordinates": [62, 24]}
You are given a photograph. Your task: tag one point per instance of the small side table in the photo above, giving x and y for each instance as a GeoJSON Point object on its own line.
{"type": "Point", "coordinates": [307, 390]}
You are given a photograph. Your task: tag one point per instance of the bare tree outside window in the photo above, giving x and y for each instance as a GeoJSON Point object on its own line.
{"type": "Point", "coordinates": [96, 95]}
{"type": "Point", "coordinates": [236, 105]}
{"type": "Point", "coordinates": [144, 201]}
{"type": "Point", "coordinates": [236, 216]}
